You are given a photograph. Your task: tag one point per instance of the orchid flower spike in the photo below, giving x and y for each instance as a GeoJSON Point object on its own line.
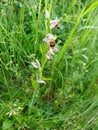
{"type": "Point", "coordinates": [36, 64]}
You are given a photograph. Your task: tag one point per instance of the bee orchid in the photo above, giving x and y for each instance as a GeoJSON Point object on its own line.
{"type": "Point", "coordinates": [51, 52]}
{"type": "Point", "coordinates": [54, 23]}
{"type": "Point", "coordinates": [50, 39]}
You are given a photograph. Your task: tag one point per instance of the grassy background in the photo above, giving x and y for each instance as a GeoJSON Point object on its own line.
{"type": "Point", "coordinates": [69, 101]}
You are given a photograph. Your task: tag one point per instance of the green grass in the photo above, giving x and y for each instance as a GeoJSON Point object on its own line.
{"type": "Point", "coordinates": [69, 100]}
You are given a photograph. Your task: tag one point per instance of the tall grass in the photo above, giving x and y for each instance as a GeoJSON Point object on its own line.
{"type": "Point", "coordinates": [69, 100]}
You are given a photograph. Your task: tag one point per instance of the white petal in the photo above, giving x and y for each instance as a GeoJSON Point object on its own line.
{"type": "Point", "coordinates": [46, 40]}
{"type": "Point", "coordinates": [36, 64]}
{"type": "Point", "coordinates": [48, 57]}
{"type": "Point", "coordinates": [52, 25]}
{"type": "Point", "coordinates": [51, 51]}
{"type": "Point", "coordinates": [47, 14]}
{"type": "Point", "coordinates": [50, 36]}
{"type": "Point", "coordinates": [41, 81]}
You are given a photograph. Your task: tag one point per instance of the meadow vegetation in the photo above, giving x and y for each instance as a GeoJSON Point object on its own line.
{"type": "Point", "coordinates": [67, 96]}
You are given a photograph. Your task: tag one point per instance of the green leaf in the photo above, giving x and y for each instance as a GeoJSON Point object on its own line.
{"type": "Point", "coordinates": [7, 124]}
{"type": "Point", "coordinates": [34, 83]}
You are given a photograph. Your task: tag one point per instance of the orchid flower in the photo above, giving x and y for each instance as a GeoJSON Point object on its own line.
{"type": "Point", "coordinates": [36, 64]}
{"type": "Point", "coordinates": [54, 23]}
{"type": "Point", "coordinates": [40, 81]}
{"type": "Point", "coordinates": [49, 54]}
{"type": "Point", "coordinates": [49, 38]}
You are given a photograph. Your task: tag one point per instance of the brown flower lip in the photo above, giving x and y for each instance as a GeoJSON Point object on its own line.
{"type": "Point", "coordinates": [57, 26]}
{"type": "Point", "coordinates": [52, 43]}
